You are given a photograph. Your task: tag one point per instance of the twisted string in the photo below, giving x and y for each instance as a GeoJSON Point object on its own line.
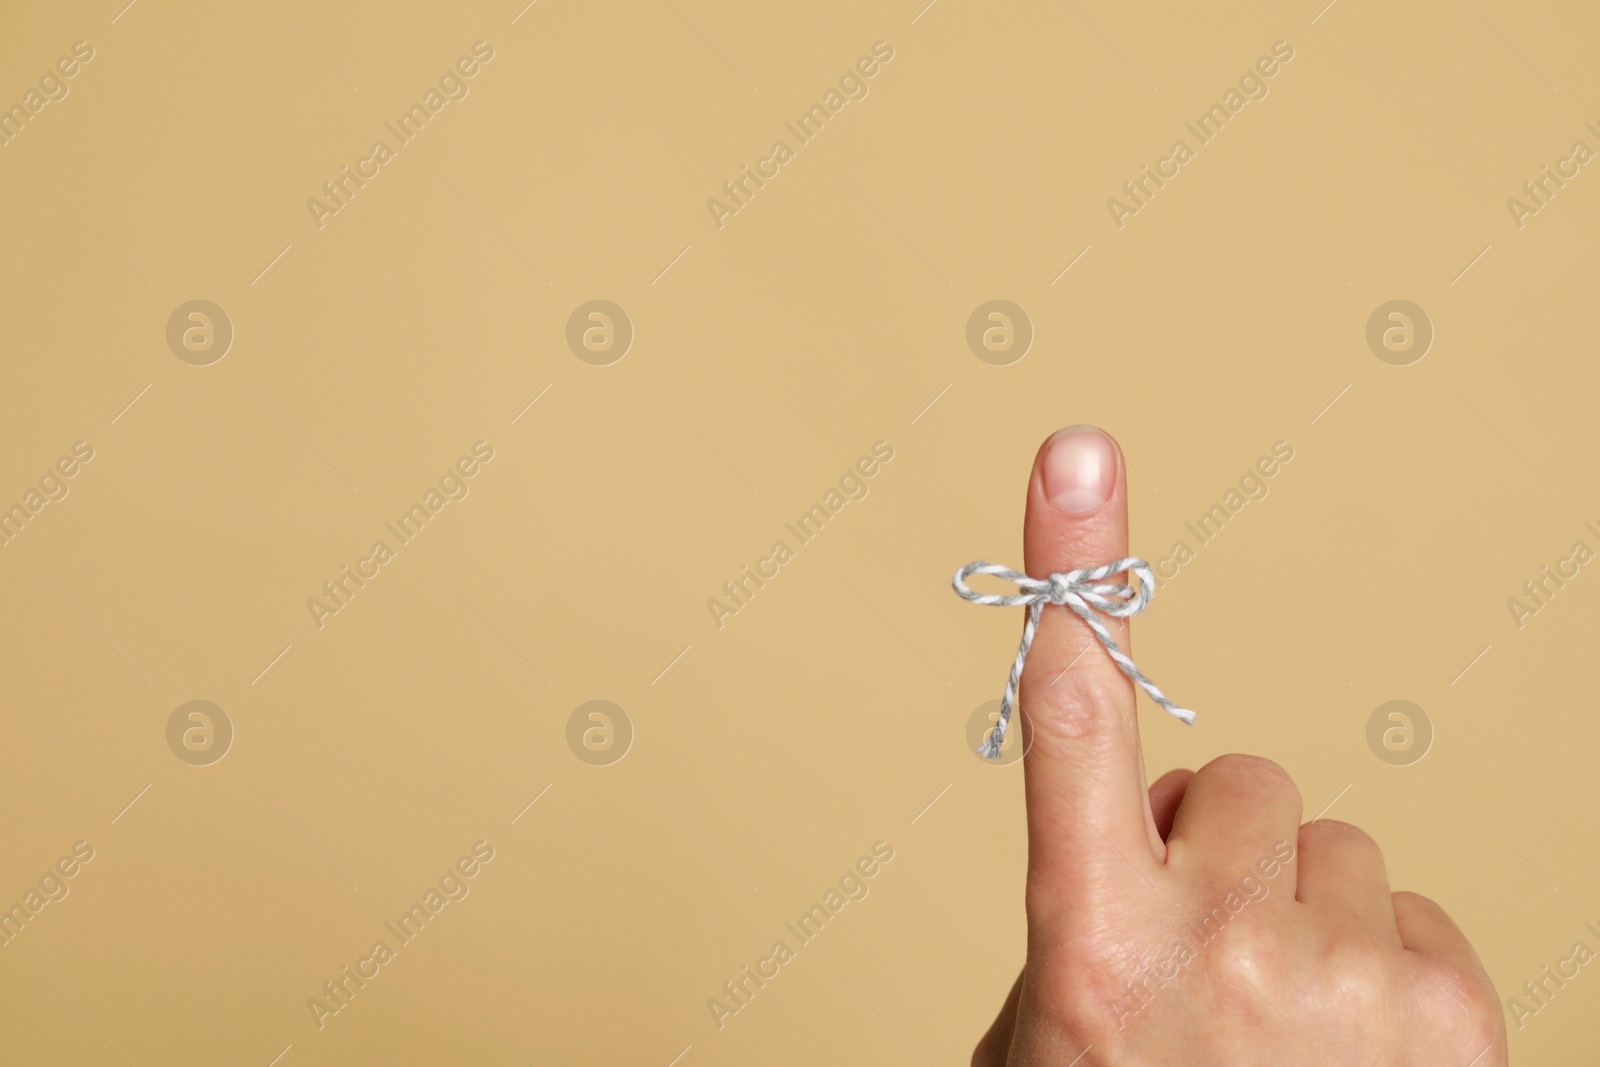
{"type": "Point", "coordinates": [1085, 592]}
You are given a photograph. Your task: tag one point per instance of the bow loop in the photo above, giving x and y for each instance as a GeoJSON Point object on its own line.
{"type": "Point", "coordinates": [1084, 592]}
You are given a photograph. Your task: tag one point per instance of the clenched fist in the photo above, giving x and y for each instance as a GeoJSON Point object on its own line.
{"type": "Point", "coordinates": [1196, 922]}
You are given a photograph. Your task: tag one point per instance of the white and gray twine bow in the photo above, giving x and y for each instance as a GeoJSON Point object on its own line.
{"type": "Point", "coordinates": [1085, 592]}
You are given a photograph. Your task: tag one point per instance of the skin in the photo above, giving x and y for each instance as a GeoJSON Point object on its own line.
{"type": "Point", "coordinates": [1317, 964]}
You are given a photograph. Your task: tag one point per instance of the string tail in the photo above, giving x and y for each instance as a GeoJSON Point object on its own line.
{"type": "Point", "coordinates": [990, 749]}
{"type": "Point", "coordinates": [1184, 715]}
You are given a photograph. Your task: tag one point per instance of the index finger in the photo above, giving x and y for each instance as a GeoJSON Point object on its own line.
{"type": "Point", "coordinates": [1088, 804]}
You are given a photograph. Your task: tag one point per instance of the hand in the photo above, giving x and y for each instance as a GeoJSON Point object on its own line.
{"type": "Point", "coordinates": [1196, 922]}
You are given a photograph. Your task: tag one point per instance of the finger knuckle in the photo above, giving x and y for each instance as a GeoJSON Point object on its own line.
{"type": "Point", "coordinates": [1253, 774]}
{"type": "Point", "coordinates": [1244, 957]}
{"type": "Point", "coordinates": [1359, 978]}
{"type": "Point", "coordinates": [1245, 966]}
{"type": "Point", "coordinates": [1342, 835]}
{"type": "Point", "coordinates": [1458, 988]}
{"type": "Point", "coordinates": [1405, 899]}
{"type": "Point", "coordinates": [1465, 1003]}
{"type": "Point", "coordinates": [1078, 707]}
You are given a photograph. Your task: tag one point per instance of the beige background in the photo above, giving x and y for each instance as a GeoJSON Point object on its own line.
{"type": "Point", "coordinates": [768, 755]}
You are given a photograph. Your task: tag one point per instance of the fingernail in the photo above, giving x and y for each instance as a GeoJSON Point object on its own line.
{"type": "Point", "coordinates": [1080, 469]}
